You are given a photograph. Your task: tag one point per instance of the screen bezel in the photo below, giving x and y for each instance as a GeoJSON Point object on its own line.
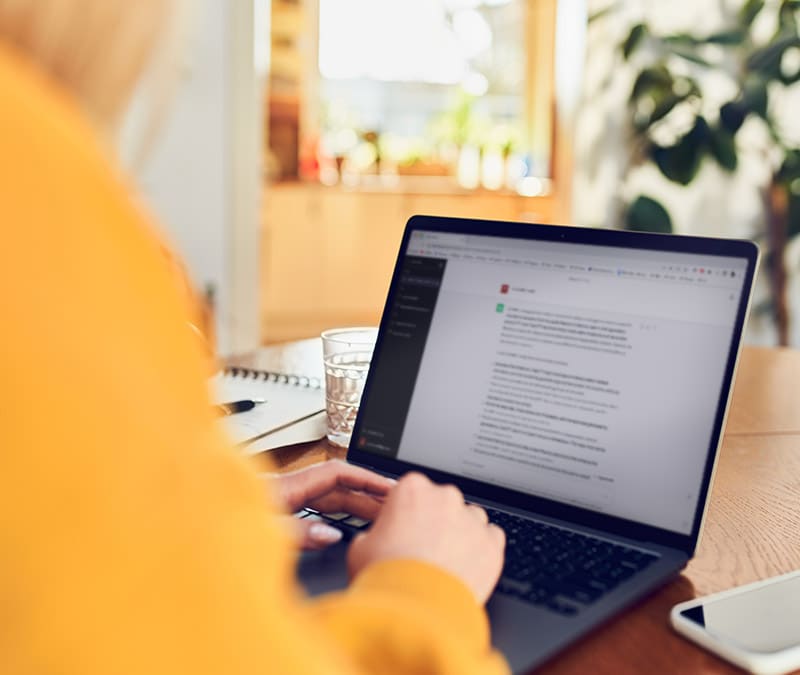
{"type": "Point", "coordinates": [595, 237]}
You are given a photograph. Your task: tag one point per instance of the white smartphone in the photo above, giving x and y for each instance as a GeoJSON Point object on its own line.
{"type": "Point", "coordinates": [756, 627]}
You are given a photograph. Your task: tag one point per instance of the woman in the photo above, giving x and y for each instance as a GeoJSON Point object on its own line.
{"type": "Point", "coordinates": [134, 539]}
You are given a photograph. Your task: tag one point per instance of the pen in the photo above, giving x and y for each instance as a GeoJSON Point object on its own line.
{"type": "Point", "coordinates": [239, 406]}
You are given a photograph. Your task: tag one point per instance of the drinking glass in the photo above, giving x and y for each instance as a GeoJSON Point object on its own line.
{"type": "Point", "coordinates": [346, 354]}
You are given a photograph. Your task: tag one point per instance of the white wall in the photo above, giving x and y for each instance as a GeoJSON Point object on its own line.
{"type": "Point", "coordinates": [202, 176]}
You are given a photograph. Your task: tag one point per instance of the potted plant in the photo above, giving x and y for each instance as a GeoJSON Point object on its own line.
{"type": "Point", "coordinates": [669, 79]}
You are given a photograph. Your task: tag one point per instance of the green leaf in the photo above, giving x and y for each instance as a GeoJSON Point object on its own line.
{"type": "Point", "coordinates": [723, 148]}
{"type": "Point", "coordinates": [700, 131]}
{"type": "Point", "coordinates": [767, 60]}
{"type": "Point", "coordinates": [634, 38]}
{"type": "Point", "coordinates": [648, 215]}
{"type": "Point", "coordinates": [664, 107]}
{"type": "Point", "coordinates": [682, 39]}
{"type": "Point", "coordinates": [664, 91]}
{"type": "Point", "coordinates": [786, 16]}
{"type": "Point", "coordinates": [754, 95]}
{"type": "Point", "coordinates": [681, 162]}
{"type": "Point", "coordinates": [750, 11]}
{"type": "Point", "coordinates": [732, 115]}
{"type": "Point", "coordinates": [655, 78]}
{"type": "Point", "coordinates": [689, 55]}
{"type": "Point", "coordinates": [678, 163]}
{"type": "Point", "coordinates": [728, 37]}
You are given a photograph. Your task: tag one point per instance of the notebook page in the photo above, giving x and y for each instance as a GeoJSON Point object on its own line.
{"type": "Point", "coordinates": [312, 429]}
{"type": "Point", "coordinates": [286, 403]}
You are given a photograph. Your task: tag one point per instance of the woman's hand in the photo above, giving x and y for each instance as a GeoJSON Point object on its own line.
{"type": "Point", "coordinates": [431, 523]}
{"type": "Point", "coordinates": [333, 486]}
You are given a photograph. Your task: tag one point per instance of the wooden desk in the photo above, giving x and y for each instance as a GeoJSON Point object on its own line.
{"type": "Point", "coordinates": [765, 399]}
{"type": "Point", "coordinates": [752, 528]}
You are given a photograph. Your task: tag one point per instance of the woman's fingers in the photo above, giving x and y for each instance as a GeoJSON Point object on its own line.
{"type": "Point", "coordinates": [347, 501]}
{"type": "Point", "coordinates": [362, 480]}
{"type": "Point", "coordinates": [431, 523]}
{"type": "Point", "coordinates": [478, 513]}
{"type": "Point", "coordinates": [301, 488]}
{"type": "Point", "coordinates": [310, 534]}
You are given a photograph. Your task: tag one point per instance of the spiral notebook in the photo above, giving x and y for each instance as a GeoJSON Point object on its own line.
{"type": "Point", "coordinates": [293, 412]}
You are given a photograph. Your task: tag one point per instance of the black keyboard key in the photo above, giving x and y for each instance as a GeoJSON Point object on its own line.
{"type": "Point", "coordinates": [514, 587]}
{"type": "Point", "coordinates": [336, 517]}
{"type": "Point", "coordinates": [358, 523]}
{"type": "Point", "coordinates": [538, 596]}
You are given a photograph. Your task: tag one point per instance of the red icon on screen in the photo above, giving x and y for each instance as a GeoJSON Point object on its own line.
{"type": "Point", "coordinates": [362, 441]}
{"type": "Point", "coordinates": [504, 288]}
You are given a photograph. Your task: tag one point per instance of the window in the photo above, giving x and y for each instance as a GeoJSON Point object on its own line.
{"type": "Point", "coordinates": [446, 42]}
{"type": "Point", "coordinates": [413, 83]}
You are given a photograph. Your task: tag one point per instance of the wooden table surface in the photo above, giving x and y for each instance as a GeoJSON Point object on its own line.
{"type": "Point", "coordinates": [752, 528]}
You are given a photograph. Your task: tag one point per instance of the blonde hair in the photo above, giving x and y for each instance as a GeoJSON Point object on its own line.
{"type": "Point", "coordinates": [97, 49]}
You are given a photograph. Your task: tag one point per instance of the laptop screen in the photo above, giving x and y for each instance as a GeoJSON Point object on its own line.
{"type": "Point", "coordinates": [589, 375]}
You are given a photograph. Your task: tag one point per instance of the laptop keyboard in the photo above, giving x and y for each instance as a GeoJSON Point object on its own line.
{"type": "Point", "coordinates": [560, 570]}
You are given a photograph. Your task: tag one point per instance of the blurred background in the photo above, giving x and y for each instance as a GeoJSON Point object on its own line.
{"type": "Point", "coordinates": [304, 133]}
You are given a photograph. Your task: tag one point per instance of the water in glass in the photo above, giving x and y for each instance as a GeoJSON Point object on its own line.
{"type": "Point", "coordinates": [345, 374]}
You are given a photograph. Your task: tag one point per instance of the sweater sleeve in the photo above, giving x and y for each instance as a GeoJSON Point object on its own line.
{"type": "Point", "coordinates": [407, 616]}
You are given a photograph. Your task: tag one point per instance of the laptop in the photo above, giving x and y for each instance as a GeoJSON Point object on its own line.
{"type": "Point", "coordinates": [575, 383]}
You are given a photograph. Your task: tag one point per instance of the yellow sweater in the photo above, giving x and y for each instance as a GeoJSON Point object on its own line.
{"type": "Point", "coordinates": [134, 540]}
